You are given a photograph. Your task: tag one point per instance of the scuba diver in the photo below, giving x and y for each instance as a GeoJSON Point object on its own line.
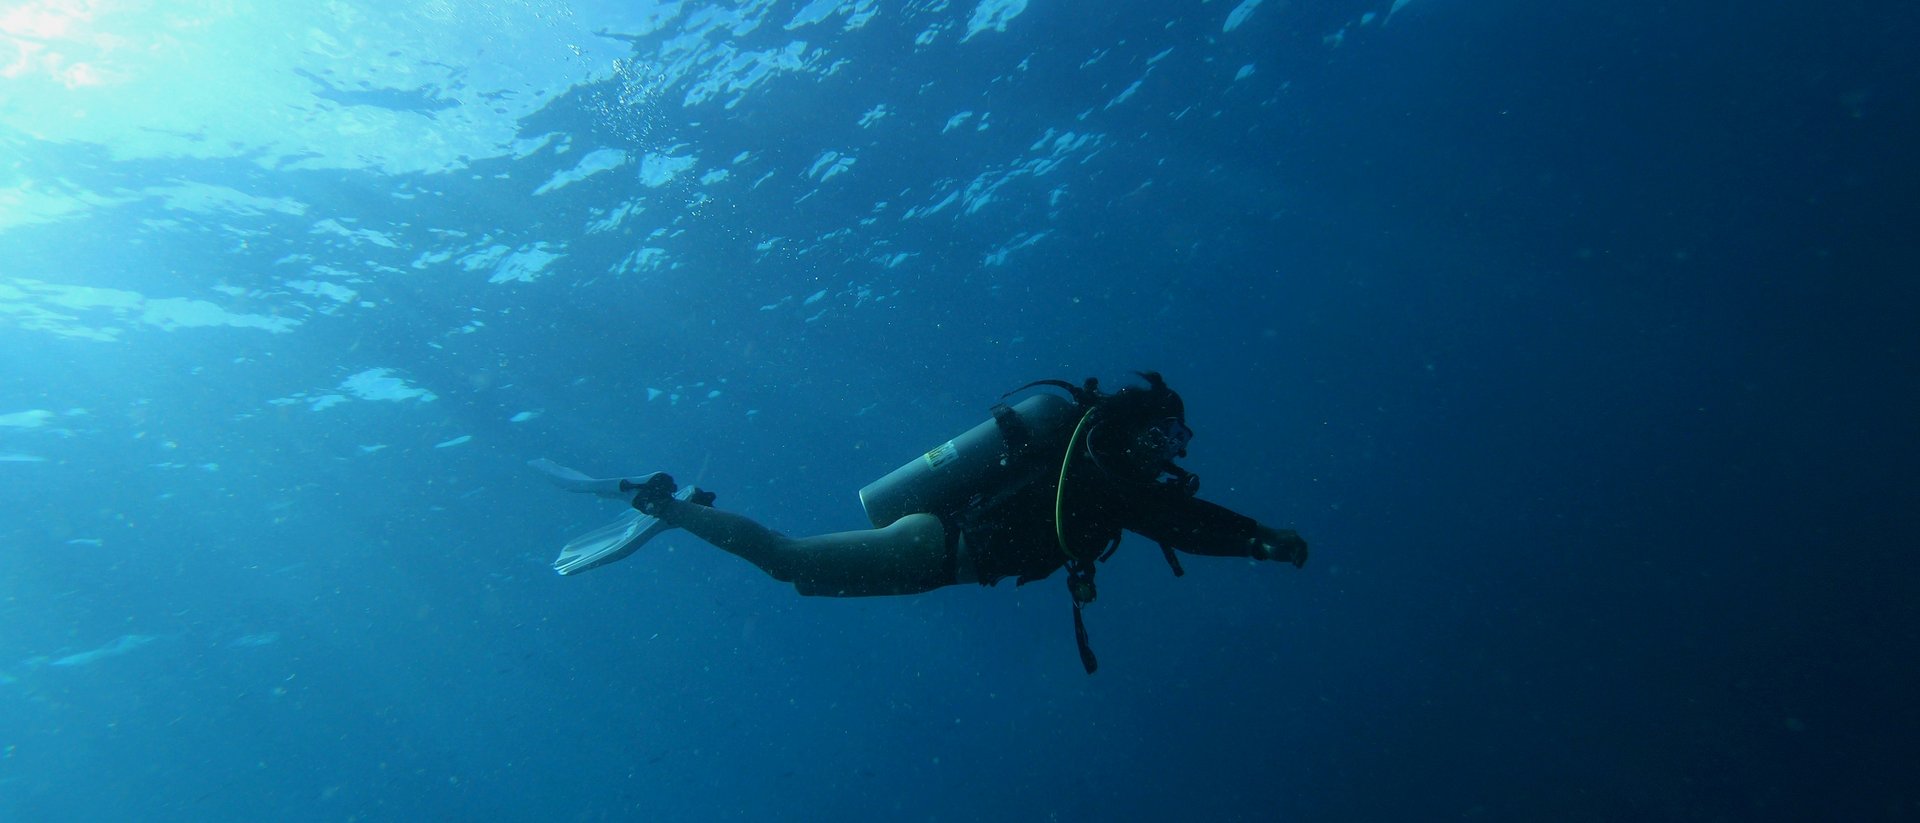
{"type": "Point", "coordinates": [1048, 483]}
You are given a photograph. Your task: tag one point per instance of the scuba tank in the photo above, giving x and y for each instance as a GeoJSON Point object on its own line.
{"type": "Point", "coordinates": [1020, 443]}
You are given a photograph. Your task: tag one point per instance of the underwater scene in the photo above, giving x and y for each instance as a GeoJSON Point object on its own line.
{"type": "Point", "coordinates": [1506, 411]}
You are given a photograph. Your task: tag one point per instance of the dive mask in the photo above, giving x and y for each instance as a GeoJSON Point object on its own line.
{"type": "Point", "coordinates": [1167, 439]}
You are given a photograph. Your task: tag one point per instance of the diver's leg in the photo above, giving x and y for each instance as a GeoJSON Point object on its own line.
{"type": "Point", "coordinates": [907, 557]}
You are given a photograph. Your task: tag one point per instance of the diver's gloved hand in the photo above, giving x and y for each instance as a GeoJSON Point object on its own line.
{"type": "Point", "coordinates": [1281, 544]}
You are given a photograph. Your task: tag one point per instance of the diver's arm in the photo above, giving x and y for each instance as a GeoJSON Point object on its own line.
{"type": "Point", "coordinates": [1196, 526]}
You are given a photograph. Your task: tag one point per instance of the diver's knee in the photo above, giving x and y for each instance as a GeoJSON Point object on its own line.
{"type": "Point", "coordinates": [785, 560]}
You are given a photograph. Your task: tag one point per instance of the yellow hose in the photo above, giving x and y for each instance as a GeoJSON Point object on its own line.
{"type": "Point", "coordinates": [1060, 489]}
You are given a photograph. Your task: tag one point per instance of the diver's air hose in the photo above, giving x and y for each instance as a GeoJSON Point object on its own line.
{"type": "Point", "coordinates": [1060, 489]}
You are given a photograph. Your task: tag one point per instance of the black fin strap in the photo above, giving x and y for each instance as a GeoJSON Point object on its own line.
{"type": "Point", "coordinates": [1172, 560]}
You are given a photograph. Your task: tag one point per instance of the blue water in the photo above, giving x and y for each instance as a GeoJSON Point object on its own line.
{"type": "Point", "coordinates": [1577, 338]}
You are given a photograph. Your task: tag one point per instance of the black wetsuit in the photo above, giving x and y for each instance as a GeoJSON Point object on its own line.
{"type": "Point", "coordinates": [1014, 536]}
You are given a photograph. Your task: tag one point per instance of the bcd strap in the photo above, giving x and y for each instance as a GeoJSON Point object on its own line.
{"type": "Point", "coordinates": [1013, 431]}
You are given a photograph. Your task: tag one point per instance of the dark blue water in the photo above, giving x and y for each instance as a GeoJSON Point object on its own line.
{"type": "Point", "coordinates": [1578, 340]}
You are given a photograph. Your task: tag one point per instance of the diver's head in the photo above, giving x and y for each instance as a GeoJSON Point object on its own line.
{"type": "Point", "coordinates": [1140, 431]}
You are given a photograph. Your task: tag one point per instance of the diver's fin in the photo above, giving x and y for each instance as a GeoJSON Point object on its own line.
{"type": "Point", "coordinates": [615, 540]}
{"type": "Point", "coordinates": [616, 488]}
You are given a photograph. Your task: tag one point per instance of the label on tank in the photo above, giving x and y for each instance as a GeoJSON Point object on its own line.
{"type": "Point", "coordinates": [943, 455]}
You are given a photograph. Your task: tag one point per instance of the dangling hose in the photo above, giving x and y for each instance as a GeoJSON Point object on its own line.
{"type": "Point", "coordinates": [1079, 572]}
